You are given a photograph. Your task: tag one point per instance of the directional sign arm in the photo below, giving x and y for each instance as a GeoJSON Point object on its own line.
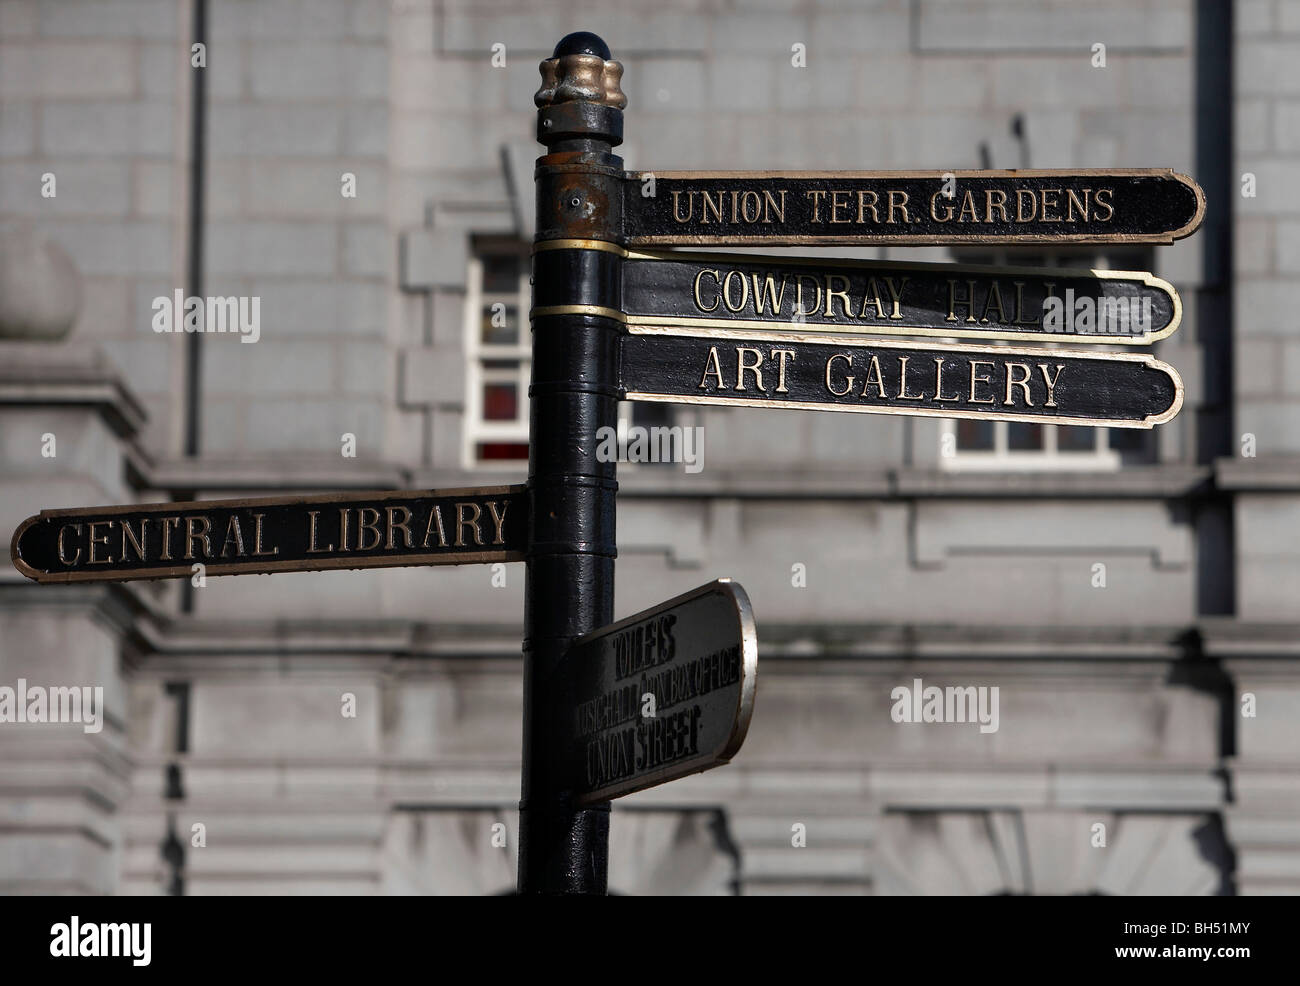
{"type": "Point", "coordinates": [270, 534]}
{"type": "Point", "coordinates": [681, 208]}
{"type": "Point", "coordinates": [663, 694]}
{"type": "Point", "coordinates": [842, 373]}
{"type": "Point", "coordinates": [897, 298]}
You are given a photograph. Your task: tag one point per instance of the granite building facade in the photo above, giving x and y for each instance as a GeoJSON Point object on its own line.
{"type": "Point", "coordinates": [364, 169]}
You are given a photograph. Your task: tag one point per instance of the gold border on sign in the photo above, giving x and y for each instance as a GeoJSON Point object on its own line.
{"type": "Point", "coordinates": [855, 340]}
{"type": "Point", "coordinates": [267, 567]}
{"type": "Point", "coordinates": [754, 259]}
{"type": "Point", "coordinates": [744, 701]}
{"type": "Point", "coordinates": [868, 239]}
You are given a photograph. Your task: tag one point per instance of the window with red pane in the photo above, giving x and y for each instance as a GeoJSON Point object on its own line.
{"type": "Point", "coordinates": [497, 347]}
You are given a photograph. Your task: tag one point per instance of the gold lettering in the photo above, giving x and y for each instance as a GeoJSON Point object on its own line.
{"type": "Point", "coordinates": [798, 297]}
{"type": "Point", "coordinates": [98, 540]}
{"type": "Point", "coordinates": [755, 368]}
{"type": "Point", "coordinates": [462, 522]}
{"type": "Point", "coordinates": [903, 395]}
{"type": "Point", "coordinates": [313, 518]}
{"type": "Point", "coordinates": [780, 355]}
{"type": "Point", "coordinates": [194, 533]}
{"type": "Point", "coordinates": [968, 205]}
{"type": "Point", "coordinates": [499, 519]}
{"type": "Point", "coordinates": [1020, 306]}
{"type": "Point", "coordinates": [726, 291]}
{"type": "Point", "coordinates": [815, 195]}
{"type": "Point", "coordinates": [972, 399]}
{"type": "Point", "coordinates": [371, 525]}
{"type": "Point", "coordinates": [137, 543]}
{"type": "Point", "coordinates": [344, 523]}
{"type": "Point", "coordinates": [62, 556]}
{"type": "Point", "coordinates": [842, 294]}
{"type": "Point", "coordinates": [770, 206]}
{"type": "Point", "coordinates": [399, 525]}
{"type": "Point", "coordinates": [839, 200]}
{"type": "Point", "coordinates": [690, 210]}
{"type": "Point", "coordinates": [995, 198]}
{"type": "Point", "coordinates": [1072, 201]}
{"type": "Point", "coordinates": [874, 368]}
{"type": "Point", "coordinates": [954, 302]}
{"type": "Point", "coordinates": [898, 201]}
{"type": "Point", "coordinates": [699, 302]}
{"type": "Point", "coordinates": [896, 294]}
{"type": "Point", "coordinates": [867, 201]}
{"type": "Point", "coordinates": [848, 382]}
{"type": "Point", "coordinates": [768, 291]}
{"type": "Point", "coordinates": [257, 537]}
{"type": "Point", "coordinates": [870, 295]}
{"type": "Point", "coordinates": [1051, 382]}
{"type": "Point", "coordinates": [1110, 209]}
{"type": "Point", "coordinates": [168, 524]}
{"type": "Point", "coordinates": [750, 196]}
{"type": "Point", "coordinates": [1053, 203]}
{"type": "Point", "coordinates": [1022, 383]}
{"type": "Point", "coordinates": [948, 208]}
{"type": "Point", "coordinates": [1021, 199]}
{"type": "Point", "coordinates": [995, 294]}
{"type": "Point", "coordinates": [435, 517]}
{"type": "Point", "coordinates": [233, 531]}
{"type": "Point", "coordinates": [938, 382]}
{"type": "Point", "coordinates": [707, 204]}
{"type": "Point", "coordinates": [712, 360]}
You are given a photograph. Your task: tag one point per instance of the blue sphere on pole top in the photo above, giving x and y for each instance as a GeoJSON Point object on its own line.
{"type": "Point", "coordinates": [581, 43]}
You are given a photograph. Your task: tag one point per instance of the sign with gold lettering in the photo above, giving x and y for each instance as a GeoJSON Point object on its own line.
{"type": "Point", "coordinates": [895, 298]}
{"type": "Point", "coordinates": [844, 373]}
{"type": "Point", "coordinates": [662, 694]}
{"type": "Point", "coordinates": [1153, 205]}
{"type": "Point", "coordinates": [234, 537]}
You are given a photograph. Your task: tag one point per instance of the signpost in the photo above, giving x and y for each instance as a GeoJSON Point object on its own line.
{"type": "Point", "coordinates": [663, 694]}
{"type": "Point", "coordinates": [612, 708]}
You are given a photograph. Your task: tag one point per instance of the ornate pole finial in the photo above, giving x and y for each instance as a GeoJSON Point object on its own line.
{"type": "Point", "coordinates": [580, 97]}
{"type": "Point", "coordinates": [581, 70]}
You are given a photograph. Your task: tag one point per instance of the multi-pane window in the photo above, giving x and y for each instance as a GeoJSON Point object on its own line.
{"type": "Point", "coordinates": [498, 348]}
{"type": "Point", "coordinates": [969, 444]}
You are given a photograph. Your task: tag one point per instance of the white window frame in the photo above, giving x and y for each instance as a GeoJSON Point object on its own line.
{"type": "Point", "coordinates": [1102, 458]}
{"type": "Point", "coordinates": [477, 429]}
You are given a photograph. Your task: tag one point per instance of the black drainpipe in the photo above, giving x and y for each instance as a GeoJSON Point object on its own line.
{"type": "Point", "coordinates": [194, 274]}
{"type": "Point", "coordinates": [193, 351]}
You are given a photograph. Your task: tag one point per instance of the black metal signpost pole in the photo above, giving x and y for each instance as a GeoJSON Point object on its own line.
{"type": "Point", "coordinates": [570, 562]}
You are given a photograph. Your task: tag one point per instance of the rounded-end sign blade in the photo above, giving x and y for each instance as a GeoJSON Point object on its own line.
{"type": "Point", "coordinates": [663, 694]}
